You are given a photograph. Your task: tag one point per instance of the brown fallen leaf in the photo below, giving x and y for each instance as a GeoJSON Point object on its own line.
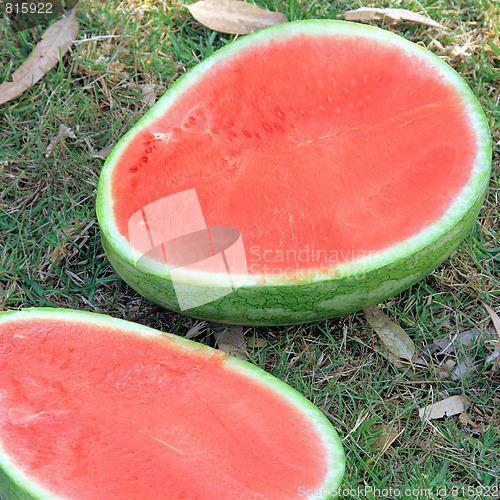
{"type": "Point", "coordinates": [391, 16]}
{"type": "Point", "coordinates": [465, 419]}
{"type": "Point", "coordinates": [104, 152]}
{"type": "Point", "coordinates": [63, 132]}
{"type": "Point", "coordinates": [392, 335]}
{"type": "Point", "coordinates": [55, 42]}
{"type": "Point", "coordinates": [449, 406]}
{"type": "Point", "coordinates": [389, 433]}
{"type": "Point", "coordinates": [256, 342]}
{"type": "Point", "coordinates": [495, 355]}
{"type": "Point", "coordinates": [232, 340]}
{"type": "Point", "coordinates": [148, 94]}
{"type": "Point", "coordinates": [234, 17]}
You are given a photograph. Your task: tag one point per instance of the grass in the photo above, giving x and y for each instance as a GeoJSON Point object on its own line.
{"type": "Point", "coordinates": [51, 255]}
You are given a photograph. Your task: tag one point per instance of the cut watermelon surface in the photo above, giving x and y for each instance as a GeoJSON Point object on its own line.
{"type": "Point", "coordinates": [351, 162]}
{"type": "Point", "coordinates": [97, 408]}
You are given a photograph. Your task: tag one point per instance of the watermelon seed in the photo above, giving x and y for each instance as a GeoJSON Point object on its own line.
{"type": "Point", "coordinates": [144, 159]}
{"type": "Point", "coordinates": [267, 128]}
{"type": "Point", "coordinates": [134, 168]}
{"type": "Point", "coordinates": [149, 150]}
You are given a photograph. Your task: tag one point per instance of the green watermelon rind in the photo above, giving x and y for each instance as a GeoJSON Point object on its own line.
{"type": "Point", "coordinates": [350, 286]}
{"type": "Point", "coordinates": [16, 485]}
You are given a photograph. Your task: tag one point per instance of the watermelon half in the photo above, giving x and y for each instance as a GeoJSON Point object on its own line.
{"type": "Point", "coordinates": [305, 171]}
{"type": "Point", "coordinates": [93, 407]}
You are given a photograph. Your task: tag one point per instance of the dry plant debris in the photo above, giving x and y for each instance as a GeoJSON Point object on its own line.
{"type": "Point", "coordinates": [55, 42]}
{"type": "Point", "coordinates": [233, 16]}
{"type": "Point", "coordinates": [392, 335]}
{"type": "Point", "coordinates": [231, 339]}
{"type": "Point", "coordinates": [390, 16]}
{"type": "Point", "coordinates": [449, 407]}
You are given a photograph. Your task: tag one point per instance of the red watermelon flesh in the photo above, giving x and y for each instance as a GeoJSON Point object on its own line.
{"type": "Point", "coordinates": [335, 147]}
{"type": "Point", "coordinates": [90, 411]}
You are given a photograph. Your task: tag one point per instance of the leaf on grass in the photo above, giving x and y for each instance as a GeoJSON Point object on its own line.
{"type": "Point", "coordinates": [463, 369]}
{"type": "Point", "coordinates": [55, 42]}
{"type": "Point", "coordinates": [391, 16]}
{"type": "Point", "coordinates": [389, 434]}
{"type": "Point", "coordinates": [256, 343]}
{"type": "Point", "coordinates": [495, 355]}
{"type": "Point", "coordinates": [465, 419]}
{"type": "Point", "coordinates": [104, 153]}
{"type": "Point", "coordinates": [148, 94]}
{"type": "Point", "coordinates": [233, 16]}
{"type": "Point", "coordinates": [450, 346]}
{"type": "Point", "coordinates": [63, 132]}
{"type": "Point", "coordinates": [449, 406]}
{"type": "Point", "coordinates": [391, 334]}
{"type": "Point", "coordinates": [232, 340]}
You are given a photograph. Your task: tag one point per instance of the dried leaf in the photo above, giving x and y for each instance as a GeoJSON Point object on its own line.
{"type": "Point", "coordinates": [232, 340]}
{"type": "Point", "coordinates": [63, 132]}
{"type": "Point", "coordinates": [465, 419]}
{"type": "Point", "coordinates": [103, 153]}
{"type": "Point", "coordinates": [391, 16]}
{"type": "Point", "coordinates": [465, 368]}
{"type": "Point", "coordinates": [494, 317]}
{"type": "Point", "coordinates": [389, 434]}
{"type": "Point", "coordinates": [449, 406]}
{"type": "Point", "coordinates": [495, 355]}
{"type": "Point", "coordinates": [55, 42]}
{"type": "Point", "coordinates": [449, 346]}
{"type": "Point", "coordinates": [257, 342]}
{"type": "Point", "coordinates": [391, 334]}
{"type": "Point", "coordinates": [148, 94]}
{"type": "Point", "coordinates": [233, 16]}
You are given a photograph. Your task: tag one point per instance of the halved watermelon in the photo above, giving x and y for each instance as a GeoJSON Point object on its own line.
{"type": "Point", "coordinates": [305, 171]}
{"type": "Point", "coordinates": [93, 407]}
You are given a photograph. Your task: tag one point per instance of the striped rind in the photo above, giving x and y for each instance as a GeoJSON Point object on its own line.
{"type": "Point", "coordinates": [351, 286]}
{"type": "Point", "coordinates": [16, 485]}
